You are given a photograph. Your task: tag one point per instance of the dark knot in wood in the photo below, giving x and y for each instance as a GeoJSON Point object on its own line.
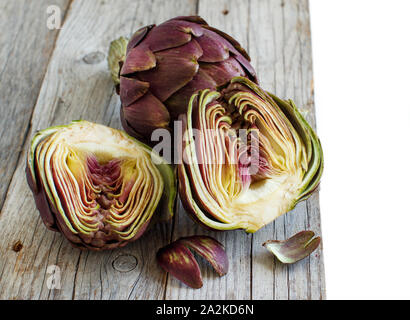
{"type": "Point", "coordinates": [94, 57]}
{"type": "Point", "coordinates": [17, 246]}
{"type": "Point", "coordinates": [124, 263]}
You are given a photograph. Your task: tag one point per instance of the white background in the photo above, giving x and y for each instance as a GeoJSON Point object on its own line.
{"type": "Point", "coordinates": [361, 58]}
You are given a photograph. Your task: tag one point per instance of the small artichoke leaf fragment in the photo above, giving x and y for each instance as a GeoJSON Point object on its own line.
{"type": "Point", "coordinates": [295, 248]}
{"type": "Point", "coordinates": [216, 189]}
{"type": "Point", "coordinates": [178, 260]}
{"type": "Point", "coordinates": [96, 185]}
{"type": "Point", "coordinates": [116, 57]}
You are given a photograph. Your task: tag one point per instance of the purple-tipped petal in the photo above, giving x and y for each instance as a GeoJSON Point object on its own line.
{"type": "Point", "coordinates": [215, 48]}
{"type": "Point", "coordinates": [178, 260]}
{"type": "Point", "coordinates": [239, 53]}
{"type": "Point", "coordinates": [171, 34]}
{"type": "Point", "coordinates": [128, 128]}
{"type": "Point", "coordinates": [210, 249]}
{"type": "Point", "coordinates": [175, 68]}
{"type": "Point", "coordinates": [132, 90]}
{"type": "Point", "coordinates": [234, 44]}
{"type": "Point", "coordinates": [138, 36]}
{"type": "Point", "coordinates": [194, 19]}
{"type": "Point", "coordinates": [223, 72]}
{"type": "Point", "coordinates": [147, 114]}
{"type": "Point", "coordinates": [178, 102]}
{"type": "Point", "coordinates": [295, 248]}
{"type": "Point", "coordinates": [166, 36]}
{"type": "Point", "coordinates": [42, 204]}
{"type": "Point", "coordinates": [138, 59]}
{"type": "Point", "coordinates": [248, 67]}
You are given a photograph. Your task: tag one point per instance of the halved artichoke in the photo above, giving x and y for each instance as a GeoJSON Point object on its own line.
{"type": "Point", "coordinates": [97, 185]}
{"type": "Point", "coordinates": [246, 180]}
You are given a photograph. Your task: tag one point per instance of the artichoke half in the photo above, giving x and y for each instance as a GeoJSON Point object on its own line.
{"type": "Point", "coordinates": [160, 67]}
{"type": "Point", "coordinates": [230, 180]}
{"type": "Point", "coordinates": [96, 185]}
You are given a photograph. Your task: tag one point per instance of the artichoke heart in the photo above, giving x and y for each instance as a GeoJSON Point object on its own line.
{"type": "Point", "coordinates": [248, 157]}
{"type": "Point", "coordinates": [97, 185]}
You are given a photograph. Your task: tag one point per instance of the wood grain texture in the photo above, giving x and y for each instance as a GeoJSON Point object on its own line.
{"type": "Point", "coordinates": [281, 50]}
{"type": "Point", "coordinates": [26, 45]}
{"type": "Point", "coordinates": [77, 85]}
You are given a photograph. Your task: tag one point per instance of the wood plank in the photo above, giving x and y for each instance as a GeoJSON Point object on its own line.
{"type": "Point", "coordinates": [281, 51]}
{"type": "Point", "coordinates": [236, 284]}
{"type": "Point", "coordinates": [25, 49]}
{"type": "Point", "coordinates": [77, 85]}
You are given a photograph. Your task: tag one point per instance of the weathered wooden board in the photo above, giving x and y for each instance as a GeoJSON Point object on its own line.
{"type": "Point", "coordinates": [25, 48]}
{"type": "Point", "coordinates": [77, 85]}
{"type": "Point", "coordinates": [281, 51]}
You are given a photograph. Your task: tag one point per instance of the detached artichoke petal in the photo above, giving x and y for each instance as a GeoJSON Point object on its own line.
{"type": "Point", "coordinates": [211, 250]}
{"type": "Point", "coordinates": [295, 248]}
{"type": "Point", "coordinates": [179, 261]}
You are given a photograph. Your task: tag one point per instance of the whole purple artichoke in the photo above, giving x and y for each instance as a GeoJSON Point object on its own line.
{"type": "Point", "coordinates": [160, 67]}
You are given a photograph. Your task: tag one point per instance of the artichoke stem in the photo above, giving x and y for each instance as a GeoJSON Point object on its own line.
{"type": "Point", "coordinates": [116, 57]}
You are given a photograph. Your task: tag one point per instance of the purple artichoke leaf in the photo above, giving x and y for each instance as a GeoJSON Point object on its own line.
{"type": "Point", "coordinates": [175, 69]}
{"type": "Point", "coordinates": [211, 250]}
{"type": "Point", "coordinates": [295, 248]}
{"type": "Point", "coordinates": [177, 259]}
{"type": "Point", "coordinates": [138, 36]}
{"type": "Point", "coordinates": [138, 59]}
{"type": "Point", "coordinates": [132, 90]}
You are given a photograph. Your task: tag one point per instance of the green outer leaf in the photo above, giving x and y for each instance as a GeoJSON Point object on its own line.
{"type": "Point", "coordinates": [116, 54]}
{"type": "Point", "coordinates": [314, 147]}
{"type": "Point", "coordinates": [290, 113]}
{"type": "Point", "coordinates": [38, 137]}
{"type": "Point", "coordinates": [316, 164]}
